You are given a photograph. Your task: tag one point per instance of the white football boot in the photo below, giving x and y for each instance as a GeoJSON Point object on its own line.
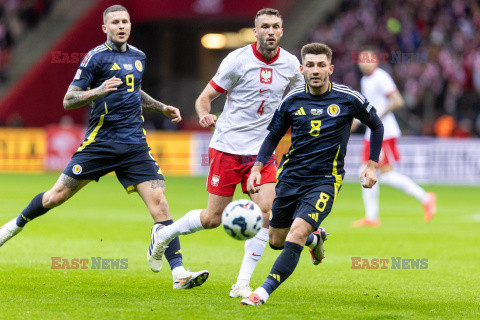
{"type": "Point", "coordinates": [240, 291]}
{"type": "Point", "coordinates": [8, 230]}
{"type": "Point", "coordinates": [188, 280]}
{"type": "Point", "coordinates": [156, 249]}
{"type": "Point", "coordinates": [253, 300]}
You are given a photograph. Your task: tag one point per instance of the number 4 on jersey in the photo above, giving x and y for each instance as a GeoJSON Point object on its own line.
{"type": "Point", "coordinates": [261, 109]}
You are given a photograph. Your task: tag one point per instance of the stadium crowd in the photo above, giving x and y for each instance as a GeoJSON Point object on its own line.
{"type": "Point", "coordinates": [16, 18]}
{"type": "Point", "coordinates": [433, 55]}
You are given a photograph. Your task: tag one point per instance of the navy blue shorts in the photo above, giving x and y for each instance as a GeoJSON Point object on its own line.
{"type": "Point", "coordinates": [311, 202]}
{"type": "Point", "coordinates": [132, 163]}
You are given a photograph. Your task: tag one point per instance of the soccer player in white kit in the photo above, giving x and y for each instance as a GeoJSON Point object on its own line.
{"type": "Point", "coordinates": [254, 79]}
{"type": "Point", "coordinates": [378, 87]}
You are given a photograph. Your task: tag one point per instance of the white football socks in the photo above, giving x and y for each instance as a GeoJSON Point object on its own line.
{"type": "Point", "coordinates": [254, 248]}
{"type": "Point", "coordinates": [179, 273]}
{"type": "Point", "coordinates": [187, 224]}
{"type": "Point", "coordinates": [370, 200]}
{"type": "Point", "coordinates": [404, 183]}
{"type": "Point", "coordinates": [262, 293]}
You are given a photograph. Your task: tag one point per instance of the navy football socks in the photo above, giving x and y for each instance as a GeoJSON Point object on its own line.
{"type": "Point", "coordinates": [283, 267]}
{"type": "Point", "coordinates": [34, 210]}
{"type": "Point", "coordinates": [173, 253]}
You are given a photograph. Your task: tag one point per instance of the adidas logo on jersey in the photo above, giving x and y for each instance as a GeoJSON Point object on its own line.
{"type": "Point", "coordinates": [314, 216]}
{"type": "Point", "coordinates": [115, 67]}
{"type": "Point", "coordinates": [300, 112]}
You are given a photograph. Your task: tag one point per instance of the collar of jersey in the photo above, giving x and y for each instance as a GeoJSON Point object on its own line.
{"type": "Point", "coordinates": [261, 57]}
{"type": "Point", "coordinates": [111, 49]}
{"type": "Point", "coordinates": [307, 90]}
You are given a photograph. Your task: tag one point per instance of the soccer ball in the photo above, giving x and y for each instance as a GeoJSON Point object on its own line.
{"type": "Point", "coordinates": [242, 219]}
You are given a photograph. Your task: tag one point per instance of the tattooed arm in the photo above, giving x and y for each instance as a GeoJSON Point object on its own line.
{"type": "Point", "coordinates": [150, 104]}
{"type": "Point", "coordinates": [76, 97]}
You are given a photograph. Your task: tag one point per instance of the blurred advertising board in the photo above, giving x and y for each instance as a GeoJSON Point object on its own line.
{"type": "Point", "coordinates": [426, 160]}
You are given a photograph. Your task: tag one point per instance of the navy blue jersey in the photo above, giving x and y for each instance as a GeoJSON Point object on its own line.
{"type": "Point", "coordinates": [321, 127]}
{"type": "Point", "coordinates": [116, 116]}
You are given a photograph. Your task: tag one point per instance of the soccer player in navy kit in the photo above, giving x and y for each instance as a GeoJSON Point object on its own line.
{"type": "Point", "coordinates": [311, 173]}
{"type": "Point", "coordinates": [110, 78]}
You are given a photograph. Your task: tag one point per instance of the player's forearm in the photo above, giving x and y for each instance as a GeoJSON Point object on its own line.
{"type": "Point", "coordinates": [396, 102]}
{"type": "Point", "coordinates": [267, 148]}
{"type": "Point", "coordinates": [376, 138]}
{"type": "Point", "coordinates": [391, 108]}
{"type": "Point", "coordinates": [150, 104]}
{"type": "Point", "coordinates": [202, 106]}
{"type": "Point", "coordinates": [257, 167]}
{"type": "Point", "coordinates": [77, 97]}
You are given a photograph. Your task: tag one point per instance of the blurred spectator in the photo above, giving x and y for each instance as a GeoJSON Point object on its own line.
{"type": "Point", "coordinates": [445, 32]}
{"type": "Point", "coordinates": [444, 126]}
{"type": "Point", "coordinates": [16, 18]}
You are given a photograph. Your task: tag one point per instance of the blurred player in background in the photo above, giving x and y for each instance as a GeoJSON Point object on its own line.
{"type": "Point", "coordinates": [378, 87]}
{"type": "Point", "coordinates": [254, 78]}
{"type": "Point", "coordinates": [115, 138]}
{"type": "Point", "coordinates": [311, 173]}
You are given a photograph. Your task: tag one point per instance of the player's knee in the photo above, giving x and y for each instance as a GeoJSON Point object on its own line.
{"type": "Point", "coordinates": [276, 242]}
{"type": "Point", "coordinates": [161, 205]}
{"type": "Point", "coordinates": [298, 235]}
{"type": "Point", "coordinates": [265, 207]}
{"type": "Point", "coordinates": [211, 220]}
{"type": "Point", "coordinates": [212, 223]}
{"type": "Point", "coordinates": [276, 246]}
{"type": "Point", "coordinates": [53, 199]}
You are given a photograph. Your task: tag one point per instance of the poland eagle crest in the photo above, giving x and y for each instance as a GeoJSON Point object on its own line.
{"type": "Point", "coordinates": [266, 75]}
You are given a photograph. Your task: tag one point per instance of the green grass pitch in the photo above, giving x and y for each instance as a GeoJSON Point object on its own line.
{"type": "Point", "coordinates": [102, 221]}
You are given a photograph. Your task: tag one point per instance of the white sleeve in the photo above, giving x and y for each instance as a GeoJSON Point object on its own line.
{"type": "Point", "coordinates": [386, 84]}
{"type": "Point", "coordinates": [297, 79]}
{"type": "Point", "coordinates": [227, 74]}
{"type": "Point", "coordinates": [362, 85]}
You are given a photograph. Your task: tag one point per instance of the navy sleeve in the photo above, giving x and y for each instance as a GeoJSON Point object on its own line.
{"type": "Point", "coordinates": [85, 73]}
{"type": "Point", "coordinates": [277, 127]}
{"type": "Point", "coordinates": [376, 137]}
{"type": "Point", "coordinates": [367, 114]}
{"type": "Point", "coordinates": [267, 148]}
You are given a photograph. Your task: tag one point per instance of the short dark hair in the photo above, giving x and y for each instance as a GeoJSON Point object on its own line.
{"type": "Point", "coordinates": [113, 8]}
{"type": "Point", "coordinates": [268, 12]}
{"type": "Point", "coordinates": [317, 48]}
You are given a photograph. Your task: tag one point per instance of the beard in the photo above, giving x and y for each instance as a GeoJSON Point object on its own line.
{"type": "Point", "coordinates": [265, 46]}
{"type": "Point", "coordinates": [318, 86]}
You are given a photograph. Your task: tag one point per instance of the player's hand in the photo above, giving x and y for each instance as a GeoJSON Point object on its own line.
{"type": "Point", "coordinates": [173, 113]}
{"type": "Point", "coordinates": [208, 120]}
{"type": "Point", "coordinates": [368, 178]}
{"type": "Point", "coordinates": [255, 177]}
{"type": "Point", "coordinates": [107, 86]}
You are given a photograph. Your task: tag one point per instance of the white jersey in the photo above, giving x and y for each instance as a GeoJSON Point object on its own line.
{"type": "Point", "coordinates": [254, 88]}
{"type": "Point", "coordinates": [377, 87]}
